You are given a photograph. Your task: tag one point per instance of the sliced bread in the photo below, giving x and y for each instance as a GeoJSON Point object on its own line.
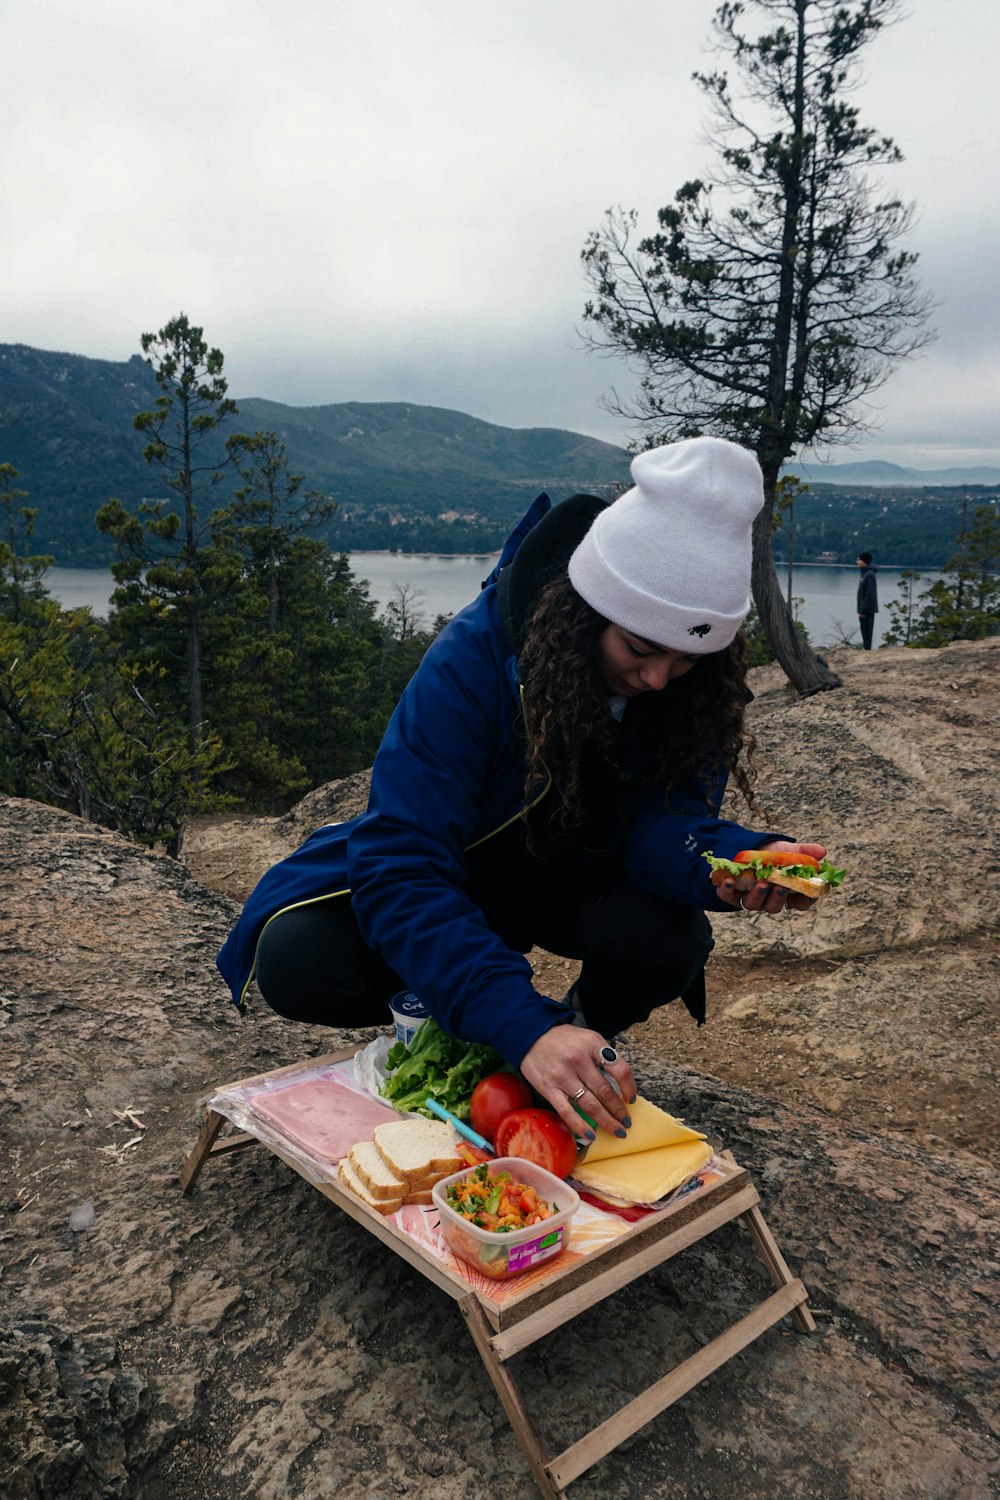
{"type": "Point", "coordinates": [352, 1181]}
{"type": "Point", "coordinates": [377, 1177]}
{"type": "Point", "coordinates": [418, 1152]}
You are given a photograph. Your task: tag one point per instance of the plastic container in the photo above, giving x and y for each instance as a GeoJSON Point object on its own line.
{"type": "Point", "coordinates": [505, 1255]}
{"type": "Point", "coordinates": [408, 1014]}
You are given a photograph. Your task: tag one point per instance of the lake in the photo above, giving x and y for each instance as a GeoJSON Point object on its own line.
{"type": "Point", "coordinates": [442, 585]}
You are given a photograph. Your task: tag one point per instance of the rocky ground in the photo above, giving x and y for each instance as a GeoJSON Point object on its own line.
{"type": "Point", "coordinates": [251, 1341]}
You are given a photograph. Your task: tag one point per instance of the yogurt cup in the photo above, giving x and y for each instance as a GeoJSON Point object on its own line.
{"type": "Point", "coordinates": [408, 1014]}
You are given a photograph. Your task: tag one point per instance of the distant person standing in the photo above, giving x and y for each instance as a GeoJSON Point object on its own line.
{"type": "Point", "coordinates": [867, 598]}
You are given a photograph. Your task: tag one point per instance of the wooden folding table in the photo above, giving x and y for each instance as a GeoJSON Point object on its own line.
{"type": "Point", "coordinates": [502, 1327]}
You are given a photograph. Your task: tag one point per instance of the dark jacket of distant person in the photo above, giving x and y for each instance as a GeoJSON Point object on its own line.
{"type": "Point", "coordinates": [867, 587]}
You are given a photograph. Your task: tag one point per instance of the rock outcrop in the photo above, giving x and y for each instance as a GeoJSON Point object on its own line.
{"type": "Point", "coordinates": [251, 1341]}
{"type": "Point", "coordinates": [230, 852]}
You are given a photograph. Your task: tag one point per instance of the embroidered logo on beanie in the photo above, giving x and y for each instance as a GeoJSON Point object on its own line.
{"type": "Point", "coordinates": [670, 559]}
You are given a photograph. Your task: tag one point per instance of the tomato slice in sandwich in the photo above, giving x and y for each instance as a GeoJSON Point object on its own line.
{"type": "Point", "coordinates": [775, 857]}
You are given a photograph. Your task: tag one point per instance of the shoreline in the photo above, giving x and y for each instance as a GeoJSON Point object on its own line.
{"type": "Point", "coordinates": [779, 562]}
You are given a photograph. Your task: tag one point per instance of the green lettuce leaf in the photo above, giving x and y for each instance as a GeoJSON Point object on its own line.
{"type": "Point", "coordinates": [826, 872]}
{"type": "Point", "coordinates": [437, 1066]}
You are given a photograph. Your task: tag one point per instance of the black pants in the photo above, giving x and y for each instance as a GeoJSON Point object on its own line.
{"type": "Point", "coordinates": [637, 952]}
{"type": "Point", "coordinates": [867, 630]}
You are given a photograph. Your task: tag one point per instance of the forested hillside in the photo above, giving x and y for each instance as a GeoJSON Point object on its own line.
{"type": "Point", "coordinates": [406, 477]}
{"type": "Point", "coordinates": [913, 527]}
{"type": "Point", "coordinates": [66, 427]}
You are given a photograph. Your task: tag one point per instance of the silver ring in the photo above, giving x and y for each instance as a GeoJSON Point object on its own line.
{"type": "Point", "coordinates": [742, 907]}
{"type": "Point", "coordinates": [609, 1056]}
{"type": "Point", "coordinates": [578, 1095]}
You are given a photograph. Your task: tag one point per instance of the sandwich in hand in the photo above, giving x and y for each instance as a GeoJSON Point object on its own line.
{"type": "Point", "coordinates": [798, 872]}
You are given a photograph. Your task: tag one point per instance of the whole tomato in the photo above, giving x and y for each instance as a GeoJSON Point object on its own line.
{"type": "Point", "coordinates": [494, 1097]}
{"type": "Point", "coordinates": [540, 1136]}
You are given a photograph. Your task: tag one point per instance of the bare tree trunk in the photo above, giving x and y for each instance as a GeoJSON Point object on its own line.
{"type": "Point", "coordinates": [804, 669]}
{"type": "Point", "coordinates": [272, 583]}
{"type": "Point", "coordinates": [190, 554]}
{"type": "Point", "coordinates": [196, 711]}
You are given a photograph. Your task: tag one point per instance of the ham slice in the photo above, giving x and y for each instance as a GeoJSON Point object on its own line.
{"type": "Point", "coordinates": [322, 1115]}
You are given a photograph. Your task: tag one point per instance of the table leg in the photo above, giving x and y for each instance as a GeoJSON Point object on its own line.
{"type": "Point", "coordinates": [517, 1413]}
{"type": "Point", "coordinates": [200, 1151]}
{"type": "Point", "coordinates": [767, 1249]}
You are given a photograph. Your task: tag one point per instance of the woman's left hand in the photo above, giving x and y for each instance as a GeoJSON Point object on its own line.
{"type": "Point", "coordinates": [567, 1060]}
{"type": "Point", "coordinates": [751, 894]}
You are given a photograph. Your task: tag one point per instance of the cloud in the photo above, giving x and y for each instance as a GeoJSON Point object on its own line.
{"type": "Point", "coordinates": [369, 200]}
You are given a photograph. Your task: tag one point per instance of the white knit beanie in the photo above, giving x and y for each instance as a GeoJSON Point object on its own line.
{"type": "Point", "coordinates": [670, 559]}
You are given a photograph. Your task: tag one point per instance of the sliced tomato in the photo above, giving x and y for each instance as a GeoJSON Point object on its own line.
{"type": "Point", "coordinates": [474, 1155]}
{"type": "Point", "coordinates": [540, 1136]}
{"type": "Point", "coordinates": [495, 1096]}
{"type": "Point", "coordinates": [775, 857]}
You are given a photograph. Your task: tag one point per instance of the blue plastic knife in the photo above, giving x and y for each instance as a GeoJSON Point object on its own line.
{"type": "Point", "coordinates": [459, 1125]}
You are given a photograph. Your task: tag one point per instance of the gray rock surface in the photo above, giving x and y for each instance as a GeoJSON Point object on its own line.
{"type": "Point", "coordinates": [230, 852]}
{"type": "Point", "coordinates": [251, 1341]}
{"type": "Point", "coordinates": [897, 773]}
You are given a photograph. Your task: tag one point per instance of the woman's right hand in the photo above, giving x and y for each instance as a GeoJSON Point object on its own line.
{"type": "Point", "coordinates": [566, 1059]}
{"type": "Point", "coordinates": [751, 894]}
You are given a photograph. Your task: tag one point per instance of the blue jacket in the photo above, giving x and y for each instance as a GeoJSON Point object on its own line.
{"type": "Point", "coordinates": [450, 773]}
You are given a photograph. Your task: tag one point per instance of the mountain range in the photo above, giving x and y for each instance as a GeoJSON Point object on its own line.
{"type": "Point", "coordinates": [404, 476]}
{"type": "Point", "coordinates": [886, 476]}
{"type": "Point", "coordinates": [411, 477]}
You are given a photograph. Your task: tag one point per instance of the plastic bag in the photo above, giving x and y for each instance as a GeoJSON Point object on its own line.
{"type": "Point", "coordinates": [371, 1072]}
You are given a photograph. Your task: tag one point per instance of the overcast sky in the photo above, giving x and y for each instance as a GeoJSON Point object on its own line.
{"type": "Point", "coordinates": [384, 200]}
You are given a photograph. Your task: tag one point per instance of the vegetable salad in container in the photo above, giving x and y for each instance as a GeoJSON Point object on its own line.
{"type": "Point", "coordinates": [505, 1216]}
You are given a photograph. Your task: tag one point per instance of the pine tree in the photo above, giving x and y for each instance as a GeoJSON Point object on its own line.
{"type": "Point", "coordinates": [21, 570]}
{"type": "Point", "coordinates": [964, 603]}
{"type": "Point", "coordinates": [271, 508]}
{"type": "Point", "coordinates": [159, 570]}
{"type": "Point", "coordinates": [773, 297]}
{"type": "Point", "coordinates": [903, 611]}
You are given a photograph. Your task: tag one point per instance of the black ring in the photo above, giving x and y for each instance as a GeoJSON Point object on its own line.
{"type": "Point", "coordinates": [609, 1055]}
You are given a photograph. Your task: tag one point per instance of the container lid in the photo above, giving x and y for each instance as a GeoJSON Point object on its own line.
{"type": "Point", "coordinates": [408, 1004]}
{"type": "Point", "coordinates": [563, 1199]}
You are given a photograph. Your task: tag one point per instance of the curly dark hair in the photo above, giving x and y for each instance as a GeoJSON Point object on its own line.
{"type": "Point", "coordinates": [693, 728]}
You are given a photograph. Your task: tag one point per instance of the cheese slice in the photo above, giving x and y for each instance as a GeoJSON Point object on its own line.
{"type": "Point", "coordinates": [657, 1156]}
{"type": "Point", "coordinates": [646, 1176]}
{"type": "Point", "coordinates": [651, 1127]}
